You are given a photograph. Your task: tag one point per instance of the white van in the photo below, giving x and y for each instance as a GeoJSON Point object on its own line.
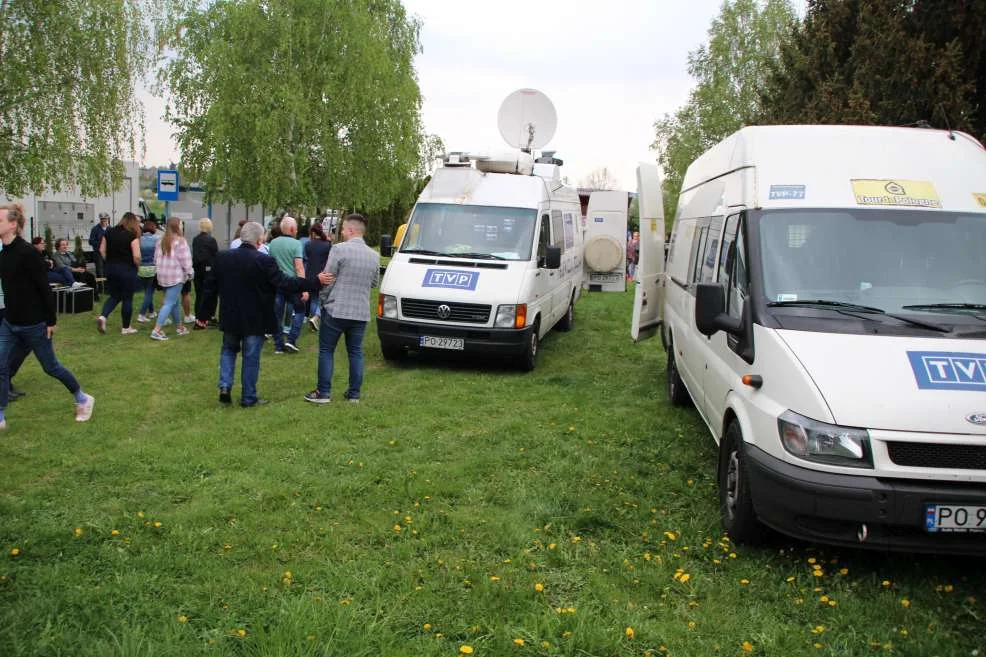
{"type": "Point", "coordinates": [826, 314]}
{"type": "Point", "coordinates": [490, 261]}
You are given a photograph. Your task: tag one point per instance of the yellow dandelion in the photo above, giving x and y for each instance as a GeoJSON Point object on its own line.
{"type": "Point", "coordinates": [345, 601]}
{"type": "Point", "coordinates": [310, 637]}
{"type": "Point", "coordinates": [824, 598]}
{"type": "Point", "coordinates": [539, 587]}
{"type": "Point", "coordinates": [182, 618]}
{"type": "Point", "coordinates": [397, 528]}
{"type": "Point", "coordinates": [843, 571]}
{"type": "Point", "coordinates": [886, 583]}
{"type": "Point", "coordinates": [692, 625]}
{"type": "Point", "coordinates": [240, 632]}
{"type": "Point", "coordinates": [140, 514]}
{"type": "Point", "coordinates": [427, 627]}
{"type": "Point", "coordinates": [115, 532]}
{"type": "Point", "coordinates": [518, 642]}
{"type": "Point", "coordinates": [545, 644]}
{"type": "Point", "coordinates": [287, 574]}
{"type": "Point", "coordinates": [671, 536]}
{"type": "Point", "coordinates": [905, 603]}
{"type": "Point", "coordinates": [78, 531]}
{"type": "Point", "coordinates": [789, 579]}
{"type": "Point", "coordinates": [903, 631]}
{"type": "Point", "coordinates": [818, 629]}
{"type": "Point", "coordinates": [157, 523]}
{"type": "Point", "coordinates": [744, 582]}
{"type": "Point", "coordinates": [566, 634]}
{"type": "Point", "coordinates": [629, 632]}
{"type": "Point", "coordinates": [949, 588]}
{"type": "Point", "coordinates": [15, 552]}
{"type": "Point", "coordinates": [747, 646]}
{"type": "Point", "coordinates": [818, 645]}
{"type": "Point", "coordinates": [576, 539]}
{"type": "Point", "coordinates": [465, 650]}
{"type": "Point", "coordinates": [552, 546]}
{"type": "Point", "coordinates": [833, 603]}
{"type": "Point", "coordinates": [494, 578]}
{"type": "Point", "coordinates": [812, 560]}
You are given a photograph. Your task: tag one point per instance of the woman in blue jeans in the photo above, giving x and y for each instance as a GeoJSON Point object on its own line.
{"type": "Point", "coordinates": [173, 260]}
{"type": "Point", "coordinates": [147, 271]}
{"type": "Point", "coordinates": [121, 250]}
{"type": "Point", "coordinates": [29, 317]}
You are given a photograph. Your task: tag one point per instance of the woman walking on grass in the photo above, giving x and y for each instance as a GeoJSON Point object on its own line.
{"type": "Point", "coordinates": [29, 317]}
{"type": "Point", "coordinates": [120, 249]}
{"type": "Point", "coordinates": [173, 260]}
{"type": "Point", "coordinates": [147, 271]}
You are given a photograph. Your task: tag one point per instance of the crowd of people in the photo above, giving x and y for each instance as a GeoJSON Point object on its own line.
{"type": "Point", "coordinates": [266, 286]}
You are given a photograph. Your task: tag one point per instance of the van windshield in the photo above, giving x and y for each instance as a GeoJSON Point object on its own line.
{"type": "Point", "coordinates": [470, 231]}
{"type": "Point", "coordinates": [888, 259]}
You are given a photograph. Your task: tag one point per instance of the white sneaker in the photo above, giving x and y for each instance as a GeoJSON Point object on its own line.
{"type": "Point", "coordinates": [189, 319]}
{"type": "Point", "coordinates": [83, 411]}
{"type": "Point", "coordinates": [128, 331]}
{"type": "Point", "coordinates": [158, 336]}
{"type": "Point", "coordinates": [78, 284]}
{"type": "Point", "coordinates": [151, 315]}
{"type": "Point", "coordinates": [166, 322]}
{"type": "Point", "coordinates": [101, 324]}
{"type": "Point", "coordinates": [142, 319]}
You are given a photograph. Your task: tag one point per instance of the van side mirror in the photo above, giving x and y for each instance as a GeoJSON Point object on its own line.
{"type": "Point", "coordinates": [386, 246]}
{"type": "Point", "coordinates": [552, 259]}
{"type": "Point", "coordinates": [710, 307]}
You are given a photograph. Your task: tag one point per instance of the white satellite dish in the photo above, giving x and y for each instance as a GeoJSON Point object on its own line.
{"type": "Point", "coordinates": [527, 119]}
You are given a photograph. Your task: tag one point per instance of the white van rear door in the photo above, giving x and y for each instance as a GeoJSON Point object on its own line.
{"type": "Point", "coordinates": [648, 296]}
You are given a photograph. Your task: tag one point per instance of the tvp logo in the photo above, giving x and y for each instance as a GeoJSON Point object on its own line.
{"type": "Point", "coordinates": [452, 278]}
{"type": "Point", "coordinates": [944, 370]}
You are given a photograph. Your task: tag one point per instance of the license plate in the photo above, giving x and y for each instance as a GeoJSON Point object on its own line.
{"type": "Point", "coordinates": [437, 342]}
{"type": "Point", "coordinates": [605, 278]}
{"type": "Point", "coordinates": [954, 518]}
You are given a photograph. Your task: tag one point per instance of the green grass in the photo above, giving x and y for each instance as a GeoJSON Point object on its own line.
{"type": "Point", "coordinates": [417, 522]}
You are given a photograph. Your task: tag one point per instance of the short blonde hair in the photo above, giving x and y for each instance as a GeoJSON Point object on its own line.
{"type": "Point", "coordinates": [205, 225]}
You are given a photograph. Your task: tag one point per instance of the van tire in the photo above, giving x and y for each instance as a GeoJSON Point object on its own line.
{"type": "Point", "coordinates": [677, 392]}
{"type": "Point", "coordinates": [568, 319]}
{"type": "Point", "coordinates": [735, 500]}
{"type": "Point", "coordinates": [392, 352]}
{"type": "Point", "coordinates": [528, 360]}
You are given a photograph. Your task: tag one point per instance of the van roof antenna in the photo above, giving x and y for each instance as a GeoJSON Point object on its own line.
{"type": "Point", "coordinates": [951, 135]}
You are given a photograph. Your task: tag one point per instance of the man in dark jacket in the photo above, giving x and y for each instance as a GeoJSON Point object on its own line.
{"type": "Point", "coordinates": [204, 251]}
{"type": "Point", "coordinates": [96, 236]}
{"type": "Point", "coordinates": [246, 281]}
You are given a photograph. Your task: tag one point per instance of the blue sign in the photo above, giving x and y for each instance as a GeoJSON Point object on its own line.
{"type": "Point", "coordinates": [787, 192]}
{"type": "Point", "coordinates": [167, 185]}
{"type": "Point", "coordinates": [946, 370]}
{"type": "Point", "coordinates": [452, 278]}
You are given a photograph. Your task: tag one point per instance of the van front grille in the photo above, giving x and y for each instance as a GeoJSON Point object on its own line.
{"type": "Point", "coordinates": [470, 313]}
{"type": "Point", "coordinates": [936, 455]}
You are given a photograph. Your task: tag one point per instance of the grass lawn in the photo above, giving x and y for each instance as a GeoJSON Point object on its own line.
{"type": "Point", "coordinates": [462, 508]}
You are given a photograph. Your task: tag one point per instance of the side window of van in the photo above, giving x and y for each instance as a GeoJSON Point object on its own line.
{"type": "Point", "coordinates": [733, 272]}
{"type": "Point", "coordinates": [711, 250]}
{"type": "Point", "coordinates": [569, 230]}
{"type": "Point", "coordinates": [557, 230]}
{"type": "Point", "coordinates": [698, 251]}
{"type": "Point", "coordinates": [544, 239]}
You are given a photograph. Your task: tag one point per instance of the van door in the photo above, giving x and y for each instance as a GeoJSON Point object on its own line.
{"type": "Point", "coordinates": [695, 353]}
{"type": "Point", "coordinates": [648, 295]}
{"type": "Point", "coordinates": [725, 365]}
{"type": "Point", "coordinates": [544, 279]}
{"type": "Point", "coordinates": [559, 290]}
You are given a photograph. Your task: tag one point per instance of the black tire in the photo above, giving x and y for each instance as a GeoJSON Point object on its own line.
{"type": "Point", "coordinates": [392, 352]}
{"type": "Point", "coordinates": [528, 360]}
{"type": "Point", "coordinates": [677, 392]}
{"type": "Point", "coordinates": [735, 499]}
{"type": "Point", "coordinates": [568, 319]}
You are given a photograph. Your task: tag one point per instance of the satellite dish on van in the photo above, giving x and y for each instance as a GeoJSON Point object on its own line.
{"type": "Point", "coordinates": [527, 119]}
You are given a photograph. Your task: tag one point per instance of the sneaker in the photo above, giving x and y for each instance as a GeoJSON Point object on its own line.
{"type": "Point", "coordinates": [3, 424]}
{"type": "Point", "coordinates": [101, 324]}
{"type": "Point", "coordinates": [181, 330]}
{"type": "Point", "coordinates": [315, 398]}
{"type": "Point", "coordinates": [151, 315]}
{"type": "Point", "coordinates": [155, 335]}
{"type": "Point", "coordinates": [224, 396]}
{"type": "Point", "coordinates": [352, 400]}
{"type": "Point", "coordinates": [77, 285]}
{"type": "Point", "coordinates": [83, 411]}
{"type": "Point", "coordinates": [128, 331]}
{"type": "Point", "coordinates": [142, 319]}
{"type": "Point", "coordinates": [189, 319]}
{"type": "Point", "coordinates": [289, 346]}
{"type": "Point", "coordinates": [313, 322]}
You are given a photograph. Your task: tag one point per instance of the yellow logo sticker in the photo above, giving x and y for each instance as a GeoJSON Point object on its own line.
{"type": "Point", "coordinates": [906, 193]}
{"type": "Point", "coordinates": [980, 198]}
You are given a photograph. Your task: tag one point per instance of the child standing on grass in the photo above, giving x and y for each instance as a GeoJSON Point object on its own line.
{"type": "Point", "coordinates": [173, 260]}
{"type": "Point", "coordinates": [29, 317]}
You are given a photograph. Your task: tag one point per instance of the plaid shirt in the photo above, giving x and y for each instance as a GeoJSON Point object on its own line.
{"type": "Point", "coordinates": [357, 270]}
{"type": "Point", "coordinates": [175, 268]}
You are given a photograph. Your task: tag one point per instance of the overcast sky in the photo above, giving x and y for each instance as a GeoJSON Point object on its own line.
{"type": "Point", "coordinates": [610, 67]}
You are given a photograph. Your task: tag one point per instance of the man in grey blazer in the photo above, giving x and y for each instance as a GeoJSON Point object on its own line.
{"type": "Point", "coordinates": [354, 270]}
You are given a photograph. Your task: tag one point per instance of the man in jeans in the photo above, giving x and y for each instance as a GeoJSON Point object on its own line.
{"type": "Point", "coordinates": [288, 253]}
{"type": "Point", "coordinates": [246, 281]}
{"type": "Point", "coordinates": [354, 269]}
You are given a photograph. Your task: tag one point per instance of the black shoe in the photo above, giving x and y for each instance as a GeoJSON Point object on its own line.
{"type": "Point", "coordinates": [224, 397]}
{"type": "Point", "coordinates": [259, 402]}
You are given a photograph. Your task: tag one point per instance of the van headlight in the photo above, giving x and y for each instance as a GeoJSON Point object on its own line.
{"type": "Point", "coordinates": [511, 316]}
{"type": "Point", "coordinates": [387, 306]}
{"type": "Point", "coordinates": [825, 443]}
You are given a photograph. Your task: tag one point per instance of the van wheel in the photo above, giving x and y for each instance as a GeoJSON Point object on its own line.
{"type": "Point", "coordinates": [677, 393]}
{"type": "Point", "coordinates": [735, 500]}
{"type": "Point", "coordinates": [392, 352]}
{"type": "Point", "coordinates": [568, 319]}
{"type": "Point", "coordinates": [528, 359]}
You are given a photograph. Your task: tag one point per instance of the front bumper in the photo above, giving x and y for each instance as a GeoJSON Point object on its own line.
{"type": "Point", "coordinates": [494, 341]}
{"type": "Point", "coordinates": [834, 508]}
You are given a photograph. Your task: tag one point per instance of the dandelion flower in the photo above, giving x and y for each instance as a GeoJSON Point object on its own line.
{"type": "Point", "coordinates": [747, 646]}
{"type": "Point", "coordinates": [566, 634]}
{"type": "Point", "coordinates": [629, 632]}
{"type": "Point", "coordinates": [949, 588]}
{"type": "Point", "coordinates": [182, 618]}
{"type": "Point", "coordinates": [843, 571]}
{"type": "Point", "coordinates": [397, 528]}
{"type": "Point", "coordinates": [494, 578]}
{"type": "Point", "coordinates": [465, 650]}
{"type": "Point", "coordinates": [671, 536]}
{"type": "Point", "coordinates": [78, 531]}
{"type": "Point", "coordinates": [744, 582]}
{"type": "Point", "coordinates": [240, 632]}
{"type": "Point", "coordinates": [157, 523]}
{"type": "Point", "coordinates": [552, 546]}
{"type": "Point", "coordinates": [518, 642]}
{"type": "Point", "coordinates": [427, 627]}
{"type": "Point", "coordinates": [886, 583]}
{"type": "Point", "coordinates": [539, 587]}
{"type": "Point", "coordinates": [905, 603]}
{"type": "Point", "coordinates": [115, 532]}
{"type": "Point", "coordinates": [15, 552]}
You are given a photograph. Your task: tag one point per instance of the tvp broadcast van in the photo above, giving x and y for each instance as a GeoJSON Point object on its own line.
{"type": "Point", "coordinates": [490, 261]}
{"type": "Point", "coordinates": [826, 314]}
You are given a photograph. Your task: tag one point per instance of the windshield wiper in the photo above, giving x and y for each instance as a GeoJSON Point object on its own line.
{"type": "Point", "coordinates": [478, 256]}
{"type": "Point", "coordinates": [946, 306]}
{"type": "Point", "coordinates": [850, 308]}
{"type": "Point", "coordinates": [423, 252]}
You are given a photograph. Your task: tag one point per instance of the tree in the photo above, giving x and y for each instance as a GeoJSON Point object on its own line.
{"type": "Point", "coordinates": [890, 62]}
{"type": "Point", "coordinates": [68, 110]}
{"type": "Point", "coordinates": [598, 179]}
{"type": "Point", "coordinates": [297, 103]}
{"type": "Point", "coordinates": [744, 40]}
